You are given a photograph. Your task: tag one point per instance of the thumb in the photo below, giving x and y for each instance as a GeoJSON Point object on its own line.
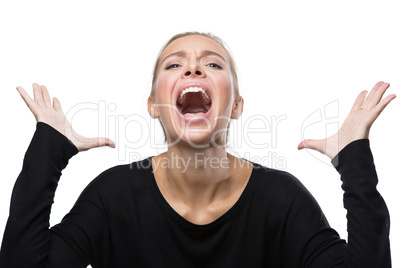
{"type": "Point", "coordinates": [98, 142]}
{"type": "Point", "coordinates": [317, 145]}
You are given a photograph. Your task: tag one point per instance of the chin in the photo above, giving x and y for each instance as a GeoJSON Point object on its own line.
{"type": "Point", "coordinates": [200, 139]}
{"type": "Point", "coordinates": [194, 140]}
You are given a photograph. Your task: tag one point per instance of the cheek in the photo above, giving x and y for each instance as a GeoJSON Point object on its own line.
{"type": "Point", "coordinates": [164, 88]}
{"type": "Point", "coordinates": [226, 90]}
{"type": "Point", "coordinates": [224, 81]}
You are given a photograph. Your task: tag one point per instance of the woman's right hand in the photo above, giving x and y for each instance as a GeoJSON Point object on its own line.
{"type": "Point", "coordinates": [53, 115]}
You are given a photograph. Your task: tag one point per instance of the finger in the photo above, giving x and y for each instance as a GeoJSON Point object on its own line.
{"type": "Point", "coordinates": [381, 106]}
{"type": "Point", "coordinates": [27, 99]}
{"type": "Point", "coordinates": [107, 142]}
{"type": "Point", "coordinates": [375, 96]}
{"type": "Point", "coordinates": [317, 145]}
{"type": "Point", "coordinates": [46, 96]}
{"type": "Point", "coordinates": [359, 101]}
{"type": "Point", "coordinates": [99, 142]}
{"type": "Point", "coordinates": [57, 104]}
{"type": "Point", "coordinates": [376, 86]}
{"type": "Point", "coordinates": [38, 94]}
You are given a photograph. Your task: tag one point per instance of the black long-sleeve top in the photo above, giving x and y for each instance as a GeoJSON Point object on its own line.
{"type": "Point", "coordinates": [121, 219]}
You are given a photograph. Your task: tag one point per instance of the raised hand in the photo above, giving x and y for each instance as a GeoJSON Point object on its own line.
{"type": "Point", "coordinates": [357, 125]}
{"type": "Point", "coordinates": [53, 115]}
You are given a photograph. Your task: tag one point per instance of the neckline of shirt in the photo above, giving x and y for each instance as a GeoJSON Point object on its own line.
{"type": "Point", "coordinates": [177, 217]}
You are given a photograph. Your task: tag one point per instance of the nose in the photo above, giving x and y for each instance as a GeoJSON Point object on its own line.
{"type": "Point", "coordinates": [193, 70]}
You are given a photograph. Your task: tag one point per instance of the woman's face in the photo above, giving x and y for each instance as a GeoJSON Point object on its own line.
{"type": "Point", "coordinates": [194, 96]}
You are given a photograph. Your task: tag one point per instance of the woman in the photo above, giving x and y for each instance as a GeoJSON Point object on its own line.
{"type": "Point", "coordinates": [195, 205]}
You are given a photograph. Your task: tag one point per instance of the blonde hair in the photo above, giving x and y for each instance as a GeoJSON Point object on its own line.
{"type": "Point", "coordinates": [232, 64]}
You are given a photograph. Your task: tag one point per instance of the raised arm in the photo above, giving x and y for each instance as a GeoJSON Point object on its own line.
{"type": "Point", "coordinates": [27, 240]}
{"type": "Point", "coordinates": [367, 213]}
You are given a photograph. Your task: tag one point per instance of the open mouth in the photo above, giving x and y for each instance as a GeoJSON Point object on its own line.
{"type": "Point", "coordinates": [193, 100]}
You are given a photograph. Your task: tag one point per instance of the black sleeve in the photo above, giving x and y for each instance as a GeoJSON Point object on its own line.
{"type": "Point", "coordinates": [309, 240]}
{"type": "Point", "coordinates": [28, 241]}
{"type": "Point", "coordinates": [367, 214]}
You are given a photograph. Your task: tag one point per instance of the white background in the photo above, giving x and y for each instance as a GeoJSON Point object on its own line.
{"type": "Point", "coordinates": [293, 57]}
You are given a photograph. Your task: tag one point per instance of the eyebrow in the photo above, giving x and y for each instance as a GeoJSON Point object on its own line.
{"type": "Point", "coordinates": [183, 53]}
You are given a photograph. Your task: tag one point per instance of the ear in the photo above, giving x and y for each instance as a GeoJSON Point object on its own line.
{"type": "Point", "coordinates": [152, 108]}
{"type": "Point", "coordinates": [237, 108]}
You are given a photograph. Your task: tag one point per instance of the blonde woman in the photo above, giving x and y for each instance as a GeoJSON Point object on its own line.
{"type": "Point", "coordinates": [222, 211]}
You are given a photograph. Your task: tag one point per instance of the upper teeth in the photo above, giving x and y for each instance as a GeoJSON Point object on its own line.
{"type": "Point", "coordinates": [193, 89]}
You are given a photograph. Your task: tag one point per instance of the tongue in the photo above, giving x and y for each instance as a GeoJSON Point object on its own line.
{"type": "Point", "coordinates": [193, 104]}
{"type": "Point", "coordinates": [194, 109]}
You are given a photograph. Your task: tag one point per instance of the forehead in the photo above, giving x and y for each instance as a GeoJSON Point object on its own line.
{"type": "Point", "coordinates": [192, 43]}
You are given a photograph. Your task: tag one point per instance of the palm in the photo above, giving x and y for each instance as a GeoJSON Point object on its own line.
{"type": "Point", "coordinates": [357, 125]}
{"type": "Point", "coordinates": [53, 115]}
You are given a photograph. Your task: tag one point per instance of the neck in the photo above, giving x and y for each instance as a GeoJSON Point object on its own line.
{"type": "Point", "coordinates": [197, 176]}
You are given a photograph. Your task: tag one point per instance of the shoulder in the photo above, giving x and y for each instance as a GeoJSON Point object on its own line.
{"type": "Point", "coordinates": [278, 185]}
{"type": "Point", "coordinates": [280, 179]}
{"type": "Point", "coordinates": [122, 178]}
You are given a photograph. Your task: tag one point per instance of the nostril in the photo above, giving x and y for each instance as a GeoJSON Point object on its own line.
{"type": "Point", "coordinates": [189, 73]}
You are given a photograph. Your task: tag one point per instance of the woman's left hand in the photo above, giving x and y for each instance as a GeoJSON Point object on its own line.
{"type": "Point", "coordinates": [357, 125]}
